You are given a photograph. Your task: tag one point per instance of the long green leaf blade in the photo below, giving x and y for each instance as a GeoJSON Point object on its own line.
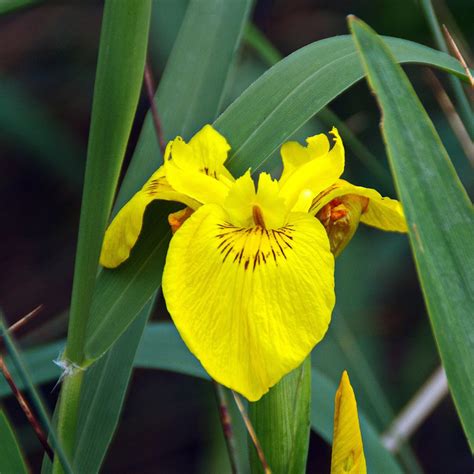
{"type": "Point", "coordinates": [117, 88]}
{"type": "Point", "coordinates": [11, 459]}
{"type": "Point", "coordinates": [439, 214]}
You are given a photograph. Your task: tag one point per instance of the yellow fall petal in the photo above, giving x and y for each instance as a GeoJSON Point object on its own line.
{"type": "Point", "coordinates": [381, 212]}
{"type": "Point", "coordinates": [347, 449]}
{"type": "Point", "coordinates": [250, 303]}
{"type": "Point", "coordinates": [197, 168]}
{"type": "Point", "coordinates": [309, 170]}
{"type": "Point", "coordinates": [124, 230]}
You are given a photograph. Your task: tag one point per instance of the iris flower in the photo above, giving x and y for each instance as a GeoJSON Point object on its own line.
{"type": "Point", "coordinates": [347, 448]}
{"type": "Point", "coordinates": [249, 273]}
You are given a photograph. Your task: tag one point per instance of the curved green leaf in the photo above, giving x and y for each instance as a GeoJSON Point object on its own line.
{"type": "Point", "coordinates": [439, 214]}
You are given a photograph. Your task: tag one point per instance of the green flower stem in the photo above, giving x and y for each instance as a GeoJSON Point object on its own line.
{"type": "Point", "coordinates": [68, 414]}
{"type": "Point", "coordinates": [281, 421]}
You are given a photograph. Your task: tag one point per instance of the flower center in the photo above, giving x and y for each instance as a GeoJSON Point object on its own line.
{"type": "Point", "coordinates": [253, 246]}
{"type": "Point", "coordinates": [258, 217]}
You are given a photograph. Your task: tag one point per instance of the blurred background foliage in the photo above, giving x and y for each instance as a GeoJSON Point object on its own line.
{"type": "Point", "coordinates": [380, 330]}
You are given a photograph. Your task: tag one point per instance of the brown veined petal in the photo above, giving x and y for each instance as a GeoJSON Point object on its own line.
{"type": "Point", "coordinates": [250, 303]}
{"type": "Point", "coordinates": [381, 212]}
{"type": "Point", "coordinates": [123, 231]}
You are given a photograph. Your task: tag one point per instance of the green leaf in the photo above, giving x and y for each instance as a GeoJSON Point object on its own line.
{"type": "Point", "coordinates": [189, 96]}
{"type": "Point", "coordinates": [297, 88]}
{"type": "Point", "coordinates": [103, 394]}
{"type": "Point", "coordinates": [439, 214]}
{"type": "Point", "coordinates": [281, 421]}
{"type": "Point", "coordinates": [256, 124]}
{"type": "Point", "coordinates": [11, 458]}
{"type": "Point", "coordinates": [119, 76]}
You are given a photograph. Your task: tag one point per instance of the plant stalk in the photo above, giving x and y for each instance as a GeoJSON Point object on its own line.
{"type": "Point", "coordinates": [282, 424]}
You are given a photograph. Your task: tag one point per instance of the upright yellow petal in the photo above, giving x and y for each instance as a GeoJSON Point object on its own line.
{"type": "Point", "coordinates": [197, 168]}
{"type": "Point", "coordinates": [381, 212]}
{"type": "Point", "coordinates": [250, 303]}
{"type": "Point", "coordinates": [242, 200]}
{"type": "Point", "coordinates": [124, 230]}
{"type": "Point", "coordinates": [347, 448]}
{"type": "Point", "coordinates": [310, 170]}
{"type": "Point", "coordinates": [295, 155]}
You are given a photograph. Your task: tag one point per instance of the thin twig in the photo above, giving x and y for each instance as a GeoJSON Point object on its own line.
{"type": "Point", "coordinates": [252, 434]}
{"type": "Point", "coordinates": [226, 422]}
{"type": "Point", "coordinates": [417, 410]}
{"type": "Point", "coordinates": [25, 319]}
{"type": "Point", "coordinates": [26, 409]}
{"type": "Point", "coordinates": [452, 116]}
{"type": "Point", "coordinates": [457, 53]}
{"type": "Point", "coordinates": [150, 90]}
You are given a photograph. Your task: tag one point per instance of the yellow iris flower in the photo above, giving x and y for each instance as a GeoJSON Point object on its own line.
{"type": "Point", "coordinates": [347, 448]}
{"type": "Point", "coordinates": [249, 274]}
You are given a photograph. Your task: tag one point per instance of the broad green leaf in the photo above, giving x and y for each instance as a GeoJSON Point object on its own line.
{"type": "Point", "coordinates": [189, 96]}
{"type": "Point", "coordinates": [11, 458]}
{"type": "Point", "coordinates": [439, 214]}
{"type": "Point", "coordinates": [256, 124]}
{"type": "Point", "coordinates": [297, 88]}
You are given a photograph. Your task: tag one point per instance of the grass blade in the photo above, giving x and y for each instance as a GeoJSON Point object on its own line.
{"type": "Point", "coordinates": [11, 458]}
{"type": "Point", "coordinates": [439, 214]}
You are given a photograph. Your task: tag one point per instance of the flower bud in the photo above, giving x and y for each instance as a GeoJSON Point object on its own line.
{"type": "Point", "coordinates": [341, 217]}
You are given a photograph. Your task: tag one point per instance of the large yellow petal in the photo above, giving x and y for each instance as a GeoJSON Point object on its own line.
{"type": "Point", "coordinates": [381, 212]}
{"type": "Point", "coordinates": [347, 448]}
{"type": "Point", "coordinates": [250, 303]}
{"type": "Point", "coordinates": [197, 168]}
{"type": "Point", "coordinates": [311, 169]}
{"type": "Point", "coordinates": [124, 230]}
